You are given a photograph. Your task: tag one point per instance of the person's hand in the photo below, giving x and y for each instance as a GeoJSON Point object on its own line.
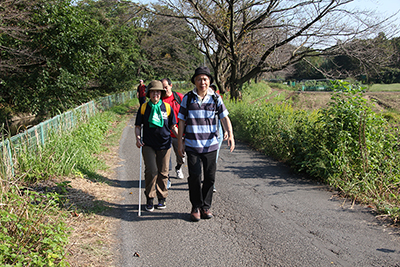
{"type": "Point", "coordinates": [181, 148]}
{"type": "Point", "coordinates": [231, 142]}
{"type": "Point", "coordinates": [139, 143]}
{"type": "Point", "coordinates": [225, 136]}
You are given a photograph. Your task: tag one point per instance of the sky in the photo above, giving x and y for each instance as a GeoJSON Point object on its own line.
{"type": "Point", "coordinates": [386, 7]}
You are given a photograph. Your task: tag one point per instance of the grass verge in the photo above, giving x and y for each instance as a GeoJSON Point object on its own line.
{"type": "Point", "coordinates": [344, 144]}
{"type": "Point", "coordinates": [48, 208]}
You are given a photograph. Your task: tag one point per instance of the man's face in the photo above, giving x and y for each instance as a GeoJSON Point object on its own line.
{"type": "Point", "coordinates": [168, 88]}
{"type": "Point", "coordinates": [202, 82]}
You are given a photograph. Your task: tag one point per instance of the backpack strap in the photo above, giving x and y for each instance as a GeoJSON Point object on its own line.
{"type": "Point", "coordinates": [167, 108]}
{"type": "Point", "coordinates": [143, 108]}
{"type": "Point", "coordinates": [144, 105]}
{"type": "Point", "coordinates": [176, 97]}
{"type": "Point", "coordinates": [190, 96]}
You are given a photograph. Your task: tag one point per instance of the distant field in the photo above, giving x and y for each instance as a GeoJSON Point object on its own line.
{"type": "Point", "coordinates": [384, 87]}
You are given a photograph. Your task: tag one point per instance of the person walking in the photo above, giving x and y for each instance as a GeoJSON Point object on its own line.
{"type": "Point", "coordinates": [222, 135]}
{"type": "Point", "coordinates": [141, 92]}
{"type": "Point", "coordinates": [157, 120]}
{"type": "Point", "coordinates": [174, 99]}
{"type": "Point", "coordinates": [197, 118]}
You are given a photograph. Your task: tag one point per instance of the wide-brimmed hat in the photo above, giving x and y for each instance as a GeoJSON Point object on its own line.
{"type": "Point", "coordinates": [156, 86]}
{"type": "Point", "coordinates": [202, 70]}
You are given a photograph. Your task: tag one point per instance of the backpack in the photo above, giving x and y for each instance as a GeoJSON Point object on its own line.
{"type": "Point", "coordinates": [176, 97]}
{"type": "Point", "coordinates": [191, 96]}
{"type": "Point", "coordinates": [144, 105]}
{"type": "Point", "coordinates": [215, 98]}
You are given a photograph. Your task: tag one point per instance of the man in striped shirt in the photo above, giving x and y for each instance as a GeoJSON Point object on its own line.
{"type": "Point", "coordinates": [198, 120]}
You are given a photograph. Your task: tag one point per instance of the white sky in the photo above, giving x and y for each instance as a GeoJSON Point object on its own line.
{"type": "Point", "coordinates": [386, 7]}
{"type": "Point", "coordinates": [383, 7]}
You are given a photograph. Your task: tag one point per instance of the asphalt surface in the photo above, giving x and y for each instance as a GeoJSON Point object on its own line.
{"type": "Point", "coordinates": [264, 215]}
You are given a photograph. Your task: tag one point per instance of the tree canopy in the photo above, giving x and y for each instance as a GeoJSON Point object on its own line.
{"type": "Point", "coordinates": [56, 55]}
{"type": "Point", "coordinates": [244, 39]}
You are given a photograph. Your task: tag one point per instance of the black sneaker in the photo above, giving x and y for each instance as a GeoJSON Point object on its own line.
{"type": "Point", "coordinates": [161, 204]}
{"type": "Point", "coordinates": [149, 206]}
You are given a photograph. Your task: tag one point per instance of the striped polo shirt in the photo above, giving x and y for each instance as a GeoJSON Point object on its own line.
{"type": "Point", "coordinates": [201, 131]}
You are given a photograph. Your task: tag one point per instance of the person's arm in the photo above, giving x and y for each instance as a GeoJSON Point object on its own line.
{"type": "Point", "coordinates": [226, 123]}
{"type": "Point", "coordinates": [139, 142]}
{"type": "Point", "coordinates": [174, 130]}
{"type": "Point", "coordinates": [181, 130]}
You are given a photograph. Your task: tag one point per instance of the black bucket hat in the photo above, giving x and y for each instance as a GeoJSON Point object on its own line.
{"type": "Point", "coordinates": [156, 86]}
{"type": "Point", "coordinates": [203, 70]}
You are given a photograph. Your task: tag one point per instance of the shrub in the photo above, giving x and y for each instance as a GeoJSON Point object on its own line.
{"type": "Point", "coordinates": [33, 232]}
{"type": "Point", "coordinates": [346, 145]}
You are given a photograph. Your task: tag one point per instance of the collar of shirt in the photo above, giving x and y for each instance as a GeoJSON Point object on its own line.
{"type": "Point", "coordinates": [210, 92]}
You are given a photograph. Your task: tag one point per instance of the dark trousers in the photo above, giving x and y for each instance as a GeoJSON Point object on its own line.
{"type": "Point", "coordinates": [142, 100]}
{"type": "Point", "coordinates": [201, 196]}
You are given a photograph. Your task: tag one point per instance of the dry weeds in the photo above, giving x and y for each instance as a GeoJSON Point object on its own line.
{"type": "Point", "coordinates": [93, 236]}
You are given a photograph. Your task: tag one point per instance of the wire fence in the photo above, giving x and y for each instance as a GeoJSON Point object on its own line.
{"type": "Point", "coordinates": [36, 136]}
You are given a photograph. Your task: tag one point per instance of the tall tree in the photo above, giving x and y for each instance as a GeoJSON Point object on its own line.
{"type": "Point", "coordinates": [15, 24]}
{"type": "Point", "coordinates": [170, 45]}
{"type": "Point", "coordinates": [124, 60]}
{"type": "Point", "coordinates": [67, 44]}
{"type": "Point", "coordinates": [266, 36]}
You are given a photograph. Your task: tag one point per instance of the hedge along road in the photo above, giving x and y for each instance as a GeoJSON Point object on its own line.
{"type": "Point", "coordinates": [264, 215]}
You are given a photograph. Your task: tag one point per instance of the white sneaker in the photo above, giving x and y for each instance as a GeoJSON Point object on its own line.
{"type": "Point", "coordinates": [179, 173]}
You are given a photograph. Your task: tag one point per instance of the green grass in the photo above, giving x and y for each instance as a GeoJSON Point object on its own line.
{"type": "Point", "coordinates": [395, 87]}
{"type": "Point", "coordinates": [345, 145]}
{"type": "Point", "coordinates": [34, 231]}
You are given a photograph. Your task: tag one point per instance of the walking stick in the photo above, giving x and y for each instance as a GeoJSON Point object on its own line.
{"type": "Point", "coordinates": [140, 175]}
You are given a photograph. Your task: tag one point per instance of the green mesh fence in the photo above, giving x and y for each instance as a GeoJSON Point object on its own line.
{"type": "Point", "coordinates": [36, 136]}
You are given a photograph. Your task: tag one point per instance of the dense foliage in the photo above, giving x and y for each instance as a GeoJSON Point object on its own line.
{"type": "Point", "coordinates": [346, 144]}
{"type": "Point", "coordinates": [85, 50]}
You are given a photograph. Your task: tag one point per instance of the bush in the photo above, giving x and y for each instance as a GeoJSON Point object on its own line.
{"type": "Point", "coordinates": [33, 232]}
{"type": "Point", "coordinates": [346, 145]}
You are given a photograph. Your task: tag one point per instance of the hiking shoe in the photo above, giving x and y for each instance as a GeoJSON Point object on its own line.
{"type": "Point", "coordinates": [149, 206]}
{"type": "Point", "coordinates": [206, 214]}
{"type": "Point", "coordinates": [179, 173]}
{"type": "Point", "coordinates": [195, 215]}
{"type": "Point", "coordinates": [161, 204]}
{"type": "Point", "coordinates": [168, 183]}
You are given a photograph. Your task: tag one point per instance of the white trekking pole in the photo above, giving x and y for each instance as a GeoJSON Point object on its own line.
{"type": "Point", "coordinates": [140, 173]}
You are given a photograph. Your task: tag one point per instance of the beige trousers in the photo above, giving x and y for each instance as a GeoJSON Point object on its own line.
{"type": "Point", "coordinates": [156, 171]}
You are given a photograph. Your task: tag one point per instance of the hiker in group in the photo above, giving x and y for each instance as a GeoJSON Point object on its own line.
{"type": "Point", "coordinates": [197, 119]}
{"type": "Point", "coordinates": [157, 119]}
{"type": "Point", "coordinates": [174, 99]}
{"type": "Point", "coordinates": [222, 135]}
{"type": "Point", "coordinates": [141, 92]}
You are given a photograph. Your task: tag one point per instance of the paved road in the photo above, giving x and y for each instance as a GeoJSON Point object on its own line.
{"type": "Point", "coordinates": [264, 216]}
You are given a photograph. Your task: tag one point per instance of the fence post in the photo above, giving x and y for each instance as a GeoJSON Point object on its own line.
{"type": "Point", "coordinates": [10, 156]}
{"type": "Point", "coordinates": [41, 134]}
{"type": "Point", "coordinates": [94, 108]}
